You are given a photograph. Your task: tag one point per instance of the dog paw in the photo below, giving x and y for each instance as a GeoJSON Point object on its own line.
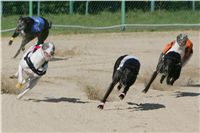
{"type": "Point", "coordinates": [10, 42]}
{"type": "Point", "coordinates": [100, 106]}
{"type": "Point", "coordinates": [18, 86]}
{"type": "Point", "coordinates": [12, 77]}
{"type": "Point", "coordinates": [162, 78]}
{"type": "Point", "coordinates": [121, 96]}
{"type": "Point", "coordinates": [144, 91]}
{"type": "Point", "coordinates": [119, 87]}
{"type": "Point", "coordinates": [23, 48]}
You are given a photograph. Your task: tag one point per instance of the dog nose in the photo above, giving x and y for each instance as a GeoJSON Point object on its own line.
{"type": "Point", "coordinates": [52, 53]}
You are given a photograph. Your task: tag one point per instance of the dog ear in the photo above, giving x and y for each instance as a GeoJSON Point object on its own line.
{"type": "Point", "coordinates": [27, 20]}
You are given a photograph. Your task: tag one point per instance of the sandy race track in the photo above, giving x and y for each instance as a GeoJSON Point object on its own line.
{"type": "Point", "coordinates": [66, 98]}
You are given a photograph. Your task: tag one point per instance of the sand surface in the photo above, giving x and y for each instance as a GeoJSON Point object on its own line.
{"type": "Point", "coordinates": [66, 98]}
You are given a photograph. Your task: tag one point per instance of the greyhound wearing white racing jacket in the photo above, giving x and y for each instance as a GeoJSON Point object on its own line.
{"type": "Point", "coordinates": [126, 69]}
{"type": "Point", "coordinates": [34, 64]}
{"type": "Point", "coordinates": [126, 58]}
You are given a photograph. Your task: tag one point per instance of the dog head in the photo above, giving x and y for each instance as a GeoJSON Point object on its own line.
{"type": "Point", "coordinates": [49, 50]}
{"type": "Point", "coordinates": [23, 23]}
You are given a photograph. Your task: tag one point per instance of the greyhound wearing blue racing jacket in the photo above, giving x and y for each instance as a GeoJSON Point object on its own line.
{"type": "Point", "coordinates": [30, 28]}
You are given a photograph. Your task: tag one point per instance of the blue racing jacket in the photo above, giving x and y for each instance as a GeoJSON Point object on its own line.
{"type": "Point", "coordinates": [38, 24]}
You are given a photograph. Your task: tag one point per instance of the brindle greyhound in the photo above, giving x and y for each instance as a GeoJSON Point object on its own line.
{"type": "Point", "coordinates": [169, 66]}
{"type": "Point", "coordinates": [125, 72]}
{"type": "Point", "coordinates": [30, 28]}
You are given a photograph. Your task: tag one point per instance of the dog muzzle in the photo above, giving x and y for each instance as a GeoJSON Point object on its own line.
{"type": "Point", "coordinates": [48, 56]}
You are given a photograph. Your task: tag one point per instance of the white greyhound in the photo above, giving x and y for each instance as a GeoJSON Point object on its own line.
{"type": "Point", "coordinates": [33, 65]}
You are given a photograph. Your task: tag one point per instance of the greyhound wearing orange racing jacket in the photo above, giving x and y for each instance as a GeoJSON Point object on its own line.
{"type": "Point", "coordinates": [173, 57]}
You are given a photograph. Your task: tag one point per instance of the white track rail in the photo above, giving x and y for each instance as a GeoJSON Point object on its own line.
{"type": "Point", "coordinates": [117, 26]}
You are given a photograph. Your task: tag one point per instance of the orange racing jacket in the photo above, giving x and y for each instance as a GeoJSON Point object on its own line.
{"type": "Point", "coordinates": [188, 49]}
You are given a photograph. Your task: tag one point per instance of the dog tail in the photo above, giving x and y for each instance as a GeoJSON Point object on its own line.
{"type": "Point", "coordinates": [50, 24]}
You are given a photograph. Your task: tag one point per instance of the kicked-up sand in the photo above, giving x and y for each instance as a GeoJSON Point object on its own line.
{"type": "Point", "coordinates": [66, 98]}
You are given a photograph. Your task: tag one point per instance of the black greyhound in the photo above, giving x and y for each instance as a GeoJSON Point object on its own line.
{"type": "Point", "coordinates": [125, 72]}
{"type": "Point", "coordinates": [169, 66]}
{"type": "Point", "coordinates": [30, 28]}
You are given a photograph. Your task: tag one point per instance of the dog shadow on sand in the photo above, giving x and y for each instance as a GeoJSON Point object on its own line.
{"type": "Point", "coordinates": [57, 100]}
{"type": "Point", "coordinates": [186, 94]}
{"type": "Point", "coordinates": [144, 106]}
{"type": "Point", "coordinates": [141, 106]}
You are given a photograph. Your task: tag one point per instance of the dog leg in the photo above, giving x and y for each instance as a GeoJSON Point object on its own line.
{"type": "Point", "coordinates": [119, 86]}
{"type": "Point", "coordinates": [24, 42]}
{"type": "Point", "coordinates": [106, 95]}
{"type": "Point", "coordinates": [168, 80]}
{"type": "Point", "coordinates": [154, 75]}
{"type": "Point", "coordinates": [123, 94]}
{"type": "Point", "coordinates": [14, 76]}
{"type": "Point", "coordinates": [30, 85]}
{"type": "Point", "coordinates": [23, 93]}
{"type": "Point", "coordinates": [172, 81]}
{"type": "Point", "coordinates": [18, 51]}
{"type": "Point", "coordinates": [42, 37]}
{"type": "Point", "coordinates": [20, 77]}
{"type": "Point", "coordinates": [110, 88]}
{"type": "Point", "coordinates": [162, 78]}
{"type": "Point", "coordinates": [15, 34]}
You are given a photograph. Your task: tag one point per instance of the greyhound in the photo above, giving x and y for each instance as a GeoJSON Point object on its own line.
{"type": "Point", "coordinates": [125, 72]}
{"type": "Point", "coordinates": [30, 28]}
{"type": "Point", "coordinates": [169, 66]}
{"type": "Point", "coordinates": [33, 66]}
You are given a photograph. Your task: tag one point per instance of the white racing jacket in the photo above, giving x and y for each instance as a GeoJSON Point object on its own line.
{"type": "Point", "coordinates": [178, 49]}
{"type": "Point", "coordinates": [33, 61]}
{"type": "Point", "coordinates": [126, 59]}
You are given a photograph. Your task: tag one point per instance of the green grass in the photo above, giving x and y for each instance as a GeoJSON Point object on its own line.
{"type": "Point", "coordinates": [164, 17]}
{"type": "Point", "coordinates": [109, 19]}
